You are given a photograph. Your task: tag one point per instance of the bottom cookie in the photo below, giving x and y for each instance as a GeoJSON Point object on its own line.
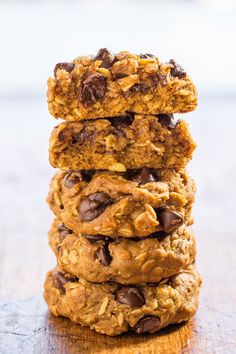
{"type": "Point", "coordinates": [112, 309]}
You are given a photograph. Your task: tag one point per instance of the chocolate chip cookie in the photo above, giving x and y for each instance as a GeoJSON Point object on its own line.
{"type": "Point", "coordinates": [127, 261]}
{"type": "Point", "coordinates": [121, 143]}
{"type": "Point", "coordinates": [133, 204]}
{"type": "Point", "coordinates": [112, 308]}
{"type": "Point", "coordinates": [107, 85]}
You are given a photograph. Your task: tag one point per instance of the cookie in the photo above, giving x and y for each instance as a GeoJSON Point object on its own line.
{"type": "Point", "coordinates": [113, 309]}
{"type": "Point", "coordinates": [134, 204]}
{"type": "Point", "coordinates": [121, 143]}
{"type": "Point", "coordinates": [110, 85]}
{"type": "Point", "coordinates": [127, 261]}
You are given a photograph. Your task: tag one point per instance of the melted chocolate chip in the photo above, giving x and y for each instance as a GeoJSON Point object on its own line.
{"type": "Point", "coordinates": [65, 66]}
{"type": "Point", "coordinates": [87, 175]}
{"type": "Point", "coordinates": [160, 235]}
{"type": "Point", "coordinates": [119, 76]}
{"type": "Point", "coordinates": [170, 220]}
{"type": "Point", "coordinates": [130, 174]}
{"type": "Point", "coordinates": [94, 205]}
{"type": "Point", "coordinates": [167, 120]}
{"type": "Point", "coordinates": [148, 324]}
{"type": "Point", "coordinates": [130, 295]}
{"type": "Point", "coordinates": [63, 231]}
{"type": "Point", "coordinates": [138, 88]}
{"type": "Point", "coordinates": [64, 135]}
{"type": "Point", "coordinates": [147, 56]}
{"type": "Point", "coordinates": [93, 238]}
{"type": "Point", "coordinates": [106, 57]}
{"type": "Point", "coordinates": [144, 176]}
{"type": "Point", "coordinates": [123, 121]}
{"type": "Point", "coordinates": [93, 89]}
{"type": "Point", "coordinates": [60, 280]}
{"type": "Point", "coordinates": [83, 136]}
{"type": "Point", "coordinates": [103, 255]}
{"type": "Point", "coordinates": [153, 284]}
{"type": "Point", "coordinates": [96, 238]}
{"type": "Point", "coordinates": [162, 80]}
{"type": "Point", "coordinates": [177, 70]}
{"type": "Point", "coordinates": [155, 79]}
{"type": "Point", "coordinates": [71, 179]}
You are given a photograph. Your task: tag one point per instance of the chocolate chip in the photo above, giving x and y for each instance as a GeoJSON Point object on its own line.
{"type": "Point", "coordinates": [148, 324]}
{"type": "Point", "coordinates": [162, 79]}
{"type": "Point", "coordinates": [103, 255]}
{"type": "Point", "coordinates": [83, 136]}
{"type": "Point", "coordinates": [64, 135]}
{"type": "Point", "coordinates": [167, 120]}
{"type": "Point", "coordinates": [93, 89]}
{"type": "Point", "coordinates": [147, 56]}
{"type": "Point", "coordinates": [177, 70]}
{"type": "Point", "coordinates": [94, 205]}
{"type": "Point", "coordinates": [152, 284]}
{"type": "Point", "coordinates": [71, 179]}
{"type": "Point", "coordinates": [160, 235]}
{"type": "Point", "coordinates": [60, 280]}
{"type": "Point", "coordinates": [144, 176]}
{"type": "Point", "coordinates": [130, 295]}
{"type": "Point", "coordinates": [123, 121]}
{"type": "Point", "coordinates": [65, 66]}
{"type": "Point", "coordinates": [170, 220]}
{"type": "Point", "coordinates": [130, 174]}
{"type": "Point", "coordinates": [119, 76]}
{"type": "Point", "coordinates": [155, 79]}
{"type": "Point", "coordinates": [63, 231]}
{"type": "Point", "coordinates": [95, 238]}
{"type": "Point", "coordinates": [106, 57]}
{"type": "Point", "coordinates": [87, 175]}
{"type": "Point", "coordinates": [138, 88]}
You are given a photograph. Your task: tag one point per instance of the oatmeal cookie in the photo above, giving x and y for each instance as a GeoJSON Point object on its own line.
{"type": "Point", "coordinates": [113, 308]}
{"type": "Point", "coordinates": [109, 85]}
{"type": "Point", "coordinates": [127, 261]}
{"type": "Point", "coordinates": [133, 204]}
{"type": "Point", "coordinates": [122, 143]}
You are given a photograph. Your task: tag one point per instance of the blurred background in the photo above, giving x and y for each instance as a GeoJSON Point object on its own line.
{"type": "Point", "coordinates": [35, 35]}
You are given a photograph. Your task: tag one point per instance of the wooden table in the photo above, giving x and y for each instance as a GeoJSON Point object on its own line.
{"type": "Point", "coordinates": [25, 324]}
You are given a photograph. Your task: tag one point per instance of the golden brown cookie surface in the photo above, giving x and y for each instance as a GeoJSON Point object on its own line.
{"type": "Point", "coordinates": [122, 143]}
{"type": "Point", "coordinates": [113, 309]}
{"type": "Point", "coordinates": [108, 85]}
{"type": "Point", "coordinates": [135, 204]}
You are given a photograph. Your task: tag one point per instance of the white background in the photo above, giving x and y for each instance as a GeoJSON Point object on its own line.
{"type": "Point", "coordinates": [37, 34]}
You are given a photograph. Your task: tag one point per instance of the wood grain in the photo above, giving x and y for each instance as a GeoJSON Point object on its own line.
{"type": "Point", "coordinates": [27, 327]}
{"type": "Point", "coordinates": [25, 324]}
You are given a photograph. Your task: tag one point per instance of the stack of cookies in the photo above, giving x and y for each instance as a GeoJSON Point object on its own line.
{"type": "Point", "coordinates": [122, 198]}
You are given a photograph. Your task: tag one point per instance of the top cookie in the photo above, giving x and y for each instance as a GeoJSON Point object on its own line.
{"type": "Point", "coordinates": [111, 85]}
